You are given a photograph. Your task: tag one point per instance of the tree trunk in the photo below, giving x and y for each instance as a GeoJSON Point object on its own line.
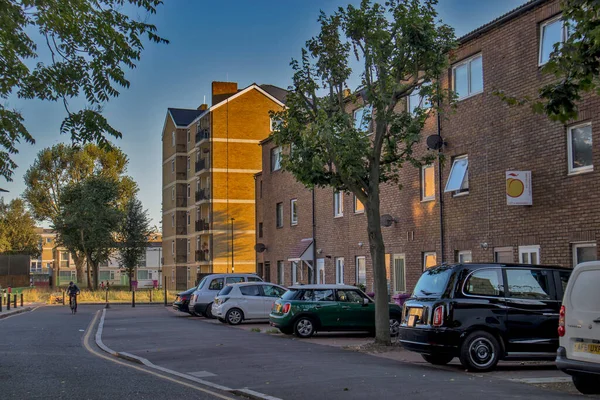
{"type": "Point", "coordinates": [130, 279]}
{"type": "Point", "coordinates": [89, 274]}
{"type": "Point", "coordinates": [96, 275]}
{"type": "Point", "coordinates": [79, 262]}
{"type": "Point", "coordinates": [377, 248]}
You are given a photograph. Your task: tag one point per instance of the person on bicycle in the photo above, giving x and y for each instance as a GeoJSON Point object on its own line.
{"type": "Point", "coordinates": [73, 291]}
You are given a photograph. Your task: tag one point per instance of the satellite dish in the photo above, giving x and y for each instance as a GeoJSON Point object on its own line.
{"type": "Point", "coordinates": [259, 247]}
{"type": "Point", "coordinates": [387, 220]}
{"type": "Point", "coordinates": [435, 142]}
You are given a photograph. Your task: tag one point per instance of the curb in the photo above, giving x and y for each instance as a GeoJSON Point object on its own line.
{"type": "Point", "coordinates": [245, 392]}
{"type": "Point", "coordinates": [2, 316]}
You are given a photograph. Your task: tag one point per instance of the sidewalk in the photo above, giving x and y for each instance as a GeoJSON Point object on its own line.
{"type": "Point", "coordinates": [13, 311]}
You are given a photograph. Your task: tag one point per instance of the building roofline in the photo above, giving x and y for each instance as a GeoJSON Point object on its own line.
{"type": "Point", "coordinates": [244, 91]}
{"type": "Point", "coordinates": [522, 9]}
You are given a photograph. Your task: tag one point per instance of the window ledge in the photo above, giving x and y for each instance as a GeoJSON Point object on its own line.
{"type": "Point", "coordinates": [427, 200]}
{"type": "Point", "coordinates": [338, 216]}
{"type": "Point", "coordinates": [469, 96]}
{"type": "Point", "coordinates": [295, 224]}
{"type": "Point", "coordinates": [461, 194]}
{"type": "Point", "coordinates": [580, 171]}
{"type": "Point", "coordinates": [358, 212]}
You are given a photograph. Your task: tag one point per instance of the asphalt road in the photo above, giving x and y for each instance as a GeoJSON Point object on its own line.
{"type": "Point", "coordinates": [288, 368]}
{"type": "Point", "coordinates": [42, 356]}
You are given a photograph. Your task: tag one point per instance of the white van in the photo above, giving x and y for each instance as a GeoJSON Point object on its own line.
{"type": "Point", "coordinates": [208, 288]}
{"type": "Point", "coordinates": [579, 328]}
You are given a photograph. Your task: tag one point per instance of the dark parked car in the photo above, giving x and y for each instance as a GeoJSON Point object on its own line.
{"type": "Point", "coordinates": [182, 301]}
{"type": "Point", "coordinates": [483, 313]}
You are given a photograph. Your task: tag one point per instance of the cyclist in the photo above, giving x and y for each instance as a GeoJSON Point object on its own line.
{"type": "Point", "coordinates": [73, 291]}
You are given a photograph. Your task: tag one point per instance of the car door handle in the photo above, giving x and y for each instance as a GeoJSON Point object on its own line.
{"type": "Point", "coordinates": [317, 306]}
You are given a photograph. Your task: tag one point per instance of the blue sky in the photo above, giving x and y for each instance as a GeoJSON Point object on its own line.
{"type": "Point", "coordinates": [236, 40]}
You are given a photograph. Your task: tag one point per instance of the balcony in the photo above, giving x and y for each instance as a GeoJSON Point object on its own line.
{"type": "Point", "coordinates": [202, 134]}
{"type": "Point", "coordinates": [180, 259]}
{"type": "Point", "coordinates": [202, 194]}
{"type": "Point", "coordinates": [181, 201]}
{"type": "Point", "coordinates": [202, 256]}
{"type": "Point", "coordinates": [181, 176]}
{"type": "Point", "coordinates": [181, 148]}
{"type": "Point", "coordinates": [201, 164]}
{"type": "Point", "coordinates": [181, 230]}
{"type": "Point", "coordinates": [202, 225]}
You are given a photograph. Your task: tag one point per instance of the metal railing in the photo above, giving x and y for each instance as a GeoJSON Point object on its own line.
{"type": "Point", "coordinates": [202, 256]}
{"type": "Point", "coordinates": [202, 194]}
{"type": "Point", "coordinates": [201, 164]}
{"type": "Point", "coordinates": [202, 225]}
{"type": "Point", "coordinates": [202, 134]}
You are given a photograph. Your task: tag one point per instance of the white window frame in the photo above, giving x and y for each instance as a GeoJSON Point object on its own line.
{"type": "Point", "coordinates": [278, 215]}
{"type": "Point", "coordinates": [188, 135]}
{"type": "Point", "coordinates": [468, 62]}
{"type": "Point", "coordinates": [173, 248]}
{"type": "Point", "coordinates": [364, 260]}
{"type": "Point", "coordinates": [465, 178]}
{"type": "Point", "coordinates": [294, 272]}
{"type": "Point", "coordinates": [189, 190]}
{"type": "Point", "coordinates": [293, 206]}
{"type": "Point", "coordinates": [578, 246]}
{"type": "Point", "coordinates": [423, 197]}
{"type": "Point", "coordinates": [173, 220]}
{"type": "Point", "coordinates": [529, 250]}
{"type": "Point", "coordinates": [275, 158]}
{"type": "Point", "coordinates": [173, 166]}
{"type": "Point", "coordinates": [173, 275]}
{"type": "Point", "coordinates": [368, 129]}
{"type": "Point", "coordinates": [173, 193]}
{"type": "Point", "coordinates": [423, 103]}
{"type": "Point", "coordinates": [173, 139]}
{"type": "Point", "coordinates": [188, 163]}
{"type": "Point", "coordinates": [338, 204]}
{"type": "Point", "coordinates": [356, 210]}
{"type": "Point", "coordinates": [564, 34]}
{"type": "Point", "coordinates": [189, 218]}
{"type": "Point", "coordinates": [580, 170]}
{"type": "Point", "coordinates": [394, 258]}
{"type": "Point", "coordinates": [339, 272]}
{"type": "Point", "coordinates": [425, 255]}
{"type": "Point", "coordinates": [463, 253]}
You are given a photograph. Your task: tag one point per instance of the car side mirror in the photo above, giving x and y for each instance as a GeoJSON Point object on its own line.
{"type": "Point", "coordinates": [366, 302]}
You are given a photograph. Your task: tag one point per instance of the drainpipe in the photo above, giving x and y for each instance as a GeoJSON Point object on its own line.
{"type": "Point", "coordinates": [439, 132]}
{"type": "Point", "coordinates": [314, 235]}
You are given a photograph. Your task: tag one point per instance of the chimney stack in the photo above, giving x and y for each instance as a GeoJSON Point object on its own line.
{"type": "Point", "coordinates": [203, 107]}
{"type": "Point", "coordinates": [223, 90]}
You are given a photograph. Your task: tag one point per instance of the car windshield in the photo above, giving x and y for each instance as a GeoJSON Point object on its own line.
{"type": "Point", "coordinates": [433, 282]}
{"type": "Point", "coordinates": [289, 295]}
{"type": "Point", "coordinates": [225, 291]}
{"type": "Point", "coordinates": [202, 282]}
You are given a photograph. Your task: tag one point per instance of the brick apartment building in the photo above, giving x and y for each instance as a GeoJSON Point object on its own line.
{"type": "Point", "coordinates": [457, 210]}
{"type": "Point", "coordinates": [210, 156]}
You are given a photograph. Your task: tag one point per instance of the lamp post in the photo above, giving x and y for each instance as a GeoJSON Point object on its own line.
{"type": "Point", "coordinates": [232, 252]}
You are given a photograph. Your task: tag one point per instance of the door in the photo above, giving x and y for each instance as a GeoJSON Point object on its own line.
{"type": "Point", "coordinates": [181, 278]}
{"type": "Point", "coordinates": [267, 275]}
{"type": "Point", "coordinates": [354, 313]}
{"type": "Point", "coordinates": [326, 308]}
{"type": "Point", "coordinates": [252, 302]}
{"type": "Point", "coordinates": [270, 294]}
{"type": "Point", "coordinates": [532, 311]}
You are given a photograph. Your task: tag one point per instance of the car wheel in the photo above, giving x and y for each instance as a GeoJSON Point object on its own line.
{"type": "Point", "coordinates": [235, 316]}
{"type": "Point", "coordinates": [304, 327]}
{"type": "Point", "coordinates": [437, 359]}
{"type": "Point", "coordinates": [394, 325]}
{"type": "Point", "coordinates": [585, 384]}
{"type": "Point", "coordinates": [480, 352]}
{"type": "Point", "coordinates": [208, 313]}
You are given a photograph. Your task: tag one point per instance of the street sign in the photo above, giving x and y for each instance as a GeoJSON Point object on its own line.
{"type": "Point", "coordinates": [518, 188]}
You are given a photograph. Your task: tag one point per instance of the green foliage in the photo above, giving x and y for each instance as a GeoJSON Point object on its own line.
{"type": "Point", "coordinates": [17, 229]}
{"type": "Point", "coordinates": [91, 44]}
{"type": "Point", "coordinates": [88, 216]}
{"type": "Point", "coordinates": [132, 236]}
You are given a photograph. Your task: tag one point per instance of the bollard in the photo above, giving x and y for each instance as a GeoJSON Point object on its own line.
{"type": "Point", "coordinates": [1, 300]}
{"type": "Point", "coordinates": [7, 304]}
{"type": "Point", "coordinates": [165, 286]}
{"type": "Point", "coordinates": [21, 299]}
{"type": "Point", "coordinates": [15, 301]}
{"type": "Point", "coordinates": [133, 298]}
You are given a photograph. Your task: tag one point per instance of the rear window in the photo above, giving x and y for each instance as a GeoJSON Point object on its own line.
{"type": "Point", "coordinates": [226, 290]}
{"type": "Point", "coordinates": [433, 282]}
{"type": "Point", "coordinates": [585, 295]}
{"type": "Point", "coordinates": [528, 284]}
{"type": "Point", "coordinates": [289, 295]}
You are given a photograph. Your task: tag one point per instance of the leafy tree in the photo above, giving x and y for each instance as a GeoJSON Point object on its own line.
{"type": "Point", "coordinates": [87, 218]}
{"type": "Point", "coordinates": [90, 45]}
{"type": "Point", "coordinates": [62, 165]}
{"type": "Point", "coordinates": [17, 229]}
{"type": "Point", "coordinates": [400, 49]}
{"type": "Point", "coordinates": [132, 236]}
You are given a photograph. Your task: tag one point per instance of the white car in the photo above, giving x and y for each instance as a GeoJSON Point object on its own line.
{"type": "Point", "coordinates": [244, 301]}
{"type": "Point", "coordinates": [579, 328]}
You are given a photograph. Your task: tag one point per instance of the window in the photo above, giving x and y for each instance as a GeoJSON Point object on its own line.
{"type": "Point", "coordinates": [189, 218]}
{"type": "Point", "coordinates": [234, 279]}
{"type": "Point", "coordinates": [399, 273]}
{"type": "Point", "coordinates": [427, 183]}
{"type": "Point", "coordinates": [503, 255]}
{"type": "Point", "coordinates": [173, 220]}
{"type": "Point", "coordinates": [172, 275]}
{"type": "Point", "coordinates": [429, 259]}
{"type": "Point", "coordinates": [362, 118]}
{"type": "Point", "coordinates": [173, 193]}
{"type": "Point", "coordinates": [323, 295]}
{"type": "Point", "coordinates": [359, 207]}
{"type": "Point", "coordinates": [188, 163]}
{"type": "Point", "coordinates": [142, 274]}
{"type": "Point", "coordinates": [361, 271]}
{"type": "Point", "coordinates": [173, 247]}
{"type": "Point", "coordinates": [188, 246]}
{"type": "Point", "coordinates": [279, 216]}
{"type": "Point", "coordinates": [583, 252]}
{"type": "Point", "coordinates": [189, 191]}
{"type": "Point", "coordinates": [349, 296]}
{"type": "Point", "coordinates": [294, 272]}
{"type": "Point", "coordinates": [216, 284]}
{"type": "Point", "coordinates": [173, 138]}
{"type": "Point", "coordinates": [275, 158]}
{"type": "Point", "coordinates": [468, 77]}
{"type": "Point", "coordinates": [273, 291]}
{"type": "Point", "coordinates": [339, 270]}
{"type": "Point", "coordinates": [280, 272]}
{"type": "Point", "coordinates": [294, 212]}
{"type": "Point", "coordinates": [527, 284]}
{"type": "Point", "coordinates": [529, 255]}
{"type": "Point", "coordinates": [338, 204]}
{"type": "Point", "coordinates": [485, 282]}
{"type": "Point", "coordinates": [464, 256]}
{"type": "Point", "coordinates": [254, 278]}
{"type": "Point", "coordinates": [551, 32]}
{"type": "Point", "coordinates": [250, 290]}
{"type": "Point", "coordinates": [416, 101]}
{"type": "Point", "coordinates": [458, 180]}
{"type": "Point", "coordinates": [172, 166]}
{"type": "Point", "coordinates": [579, 146]}
{"type": "Point", "coordinates": [260, 229]}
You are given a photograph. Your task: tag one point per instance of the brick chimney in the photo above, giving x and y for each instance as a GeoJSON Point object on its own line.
{"type": "Point", "coordinates": [203, 107]}
{"type": "Point", "coordinates": [223, 90]}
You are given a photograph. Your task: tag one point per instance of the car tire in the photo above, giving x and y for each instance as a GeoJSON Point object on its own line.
{"type": "Point", "coordinates": [480, 352]}
{"type": "Point", "coordinates": [208, 313]}
{"type": "Point", "coordinates": [586, 384]}
{"type": "Point", "coordinates": [395, 322]}
{"type": "Point", "coordinates": [235, 316]}
{"type": "Point", "coordinates": [437, 359]}
{"type": "Point", "coordinates": [304, 327]}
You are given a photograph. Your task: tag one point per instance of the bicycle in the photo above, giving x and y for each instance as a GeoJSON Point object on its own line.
{"type": "Point", "coordinates": [73, 303]}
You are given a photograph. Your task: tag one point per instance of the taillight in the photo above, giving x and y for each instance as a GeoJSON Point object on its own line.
{"type": "Point", "coordinates": [438, 316]}
{"type": "Point", "coordinates": [286, 308]}
{"type": "Point", "coordinates": [561, 322]}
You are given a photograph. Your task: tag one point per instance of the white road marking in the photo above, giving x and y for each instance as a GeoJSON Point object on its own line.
{"type": "Point", "coordinates": [554, 379]}
{"type": "Point", "coordinates": [201, 374]}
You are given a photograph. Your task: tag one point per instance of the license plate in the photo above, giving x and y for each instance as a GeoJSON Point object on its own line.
{"type": "Point", "coordinates": [277, 307]}
{"type": "Point", "coordinates": [587, 348]}
{"type": "Point", "coordinates": [417, 312]}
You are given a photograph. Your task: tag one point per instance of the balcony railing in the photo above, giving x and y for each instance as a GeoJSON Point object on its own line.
{"type": "Point", "coordinates": [181, 147]}
{"type": "Point", "coordinates": [202, 225]}
{"type": "Point", "coordinates": [202, 194]}
{"type": "Point", "coordinates": [181, 201]}
{"type": "Point", "coordinates": [202, 134]}
{"type": "Point", "coordinates": [201, 164]}
{"type": "Point", "coordinates": [181, 230]}
{"type": "Point", "coordinates": [202, 256]}
{"type": "Point", "coordinates": [180, 258]}
{"type": "Point", "coordinates": [181, 176]}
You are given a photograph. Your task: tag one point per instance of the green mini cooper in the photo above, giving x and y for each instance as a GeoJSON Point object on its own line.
{"type": "Point", "coordinates": [305, 309]}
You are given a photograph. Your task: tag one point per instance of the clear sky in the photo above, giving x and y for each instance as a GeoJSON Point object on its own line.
{"type": "Point", "coordinates": [235, 40]}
